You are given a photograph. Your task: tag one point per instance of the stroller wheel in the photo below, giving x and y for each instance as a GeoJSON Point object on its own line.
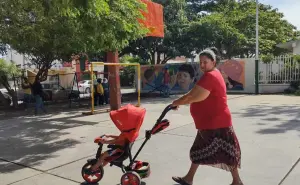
{"type": "Point", "coordinates": [91, 177]}
{"type": "Point", "coordinates": [130, 178]}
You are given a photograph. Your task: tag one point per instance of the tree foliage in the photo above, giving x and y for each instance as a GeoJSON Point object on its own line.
{"type": "Point", "coordinates": [173, 44]}
{"type": "Point", "coordinates": [199, 8]}
{"type": "Point", "coordinates": [54, 30]}
{"type": "Point", "coordinates": [8, 71]}
{"type": "Point", "coordinates": [229, 25]}
{"type": "Point", "coordinates": [3, 49]}
{"type": "Point", "coordinates": [231, 28]}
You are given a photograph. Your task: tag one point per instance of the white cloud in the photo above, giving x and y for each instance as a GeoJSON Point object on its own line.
{"type": "Point", "coordinates": [290, 9]}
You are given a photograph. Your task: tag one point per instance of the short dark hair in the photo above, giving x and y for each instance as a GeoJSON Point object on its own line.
{"type": "Point", "coordinates": [187, 68]}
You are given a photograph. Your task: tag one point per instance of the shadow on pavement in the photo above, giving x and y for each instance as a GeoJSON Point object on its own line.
{"type": "Point", "coordinates": [30, 141]}
{"type": "Point", "coordinates": [142, 183]}
{"type": "Point", "coordinates": [280, 119]}
{"type": "Point", "coordinates": [33, 140]}
{"type": "Point", "coordinates": [85, 183]}
{"type": "Point", "coordinates": [84, 106]}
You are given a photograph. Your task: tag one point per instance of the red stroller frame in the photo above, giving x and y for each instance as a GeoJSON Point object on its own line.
{"type": "Point", "coordinates": [135, 170]}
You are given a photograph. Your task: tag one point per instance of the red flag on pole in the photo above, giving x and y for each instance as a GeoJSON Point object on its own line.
{"type": "Point", "coordinates": [154, 18]}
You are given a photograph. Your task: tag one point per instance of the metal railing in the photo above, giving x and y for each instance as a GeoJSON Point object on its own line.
{"type": "Point", "coordinates": [281, 70]}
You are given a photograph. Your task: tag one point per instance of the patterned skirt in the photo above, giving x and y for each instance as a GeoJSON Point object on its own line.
{"type": "Point", "coordinates": [217, 148]}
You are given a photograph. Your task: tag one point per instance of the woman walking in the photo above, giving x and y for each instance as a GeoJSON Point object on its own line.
{"type": "Point", "coordinates": [216, 144]}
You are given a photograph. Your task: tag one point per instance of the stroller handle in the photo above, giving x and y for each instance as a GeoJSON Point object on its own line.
{"type": "Point", "coordinates": [149, 132]}
{"type": "Point", "coordinates": [166, 110]}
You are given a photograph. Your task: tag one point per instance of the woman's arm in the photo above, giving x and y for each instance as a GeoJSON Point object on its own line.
{"type": "Point", "coordinates": [197, 94]}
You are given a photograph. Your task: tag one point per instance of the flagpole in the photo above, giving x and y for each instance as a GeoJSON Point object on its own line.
{"type": "Point", "coordinates": [256, 51]}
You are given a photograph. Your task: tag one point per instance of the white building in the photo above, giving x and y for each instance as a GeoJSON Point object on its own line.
{"type": "Point", "coordinates": [16, 57]}
{"type": "Point", "coordinates": [23, 61]}
{"type": "Point", "coordinates": [293, 46]}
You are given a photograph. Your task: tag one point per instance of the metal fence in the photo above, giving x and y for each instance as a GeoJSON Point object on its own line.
{"type": "Point", "coordinates": [281, 70]}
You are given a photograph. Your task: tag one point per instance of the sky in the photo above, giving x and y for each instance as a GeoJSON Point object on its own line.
{"type": "Point", "coordinates": [290, 9]}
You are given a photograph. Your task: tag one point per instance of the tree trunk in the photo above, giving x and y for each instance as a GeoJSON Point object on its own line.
{"type": "Point", "coordinates": [106, 74]}
{"type": "Point", "coordinates": [4, 101]}
{"type": "Point", "coordinates": [14, 97]}
{"type": "Point", "coordinates": [165, 60]}
{"type": "Point", "coordinates": [11, 92]}
{"type": "Point", "coordinates": [158, 58]}
{"type": "Point", "coordinates": [42, 75]}
{"type": "Point", "coordinates": [153, 58]}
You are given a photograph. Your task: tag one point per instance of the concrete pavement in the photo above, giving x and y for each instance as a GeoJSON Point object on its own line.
{"type": "Point", "coordinates": [51, 149]}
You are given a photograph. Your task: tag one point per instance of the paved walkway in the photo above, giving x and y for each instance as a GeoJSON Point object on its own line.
{"type": "Point", "coordinates": [51, 149]}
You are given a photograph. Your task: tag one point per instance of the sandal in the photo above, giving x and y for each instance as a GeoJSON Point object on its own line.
{"type": "Point", "coordinates": [180, 181]}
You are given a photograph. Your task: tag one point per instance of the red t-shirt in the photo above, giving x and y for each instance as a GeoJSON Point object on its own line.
{"type": "Point", "coordinates": [213, 112]}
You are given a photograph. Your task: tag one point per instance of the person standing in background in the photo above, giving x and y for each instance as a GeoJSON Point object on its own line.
{"type": "Point", "coordinates": [38, 93]}
{"type": "Point", "coordinates": [26, 86]}
{"type": "Point", "coordinates": [106, 90]}
{"type": "Point", "coordinates": [99, 93]}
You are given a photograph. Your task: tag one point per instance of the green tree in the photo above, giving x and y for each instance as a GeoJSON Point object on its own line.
{"type": "Point", "coordinates": [2, 49]}
{"type": "Point", "coordinates": [231, 28]}
{"type": "Point", "coordinates": [173, 44]}
{"type": "Point", "coordinates": [199, 8]}
{"type": "Point", "coordinates": [214, 30]}
{"type": "Point", "coordinates": [128, 73]}
{"type": "Point", "coordinates": [55, 30]}
{"type": "Point", "coordinates": [8, 71]}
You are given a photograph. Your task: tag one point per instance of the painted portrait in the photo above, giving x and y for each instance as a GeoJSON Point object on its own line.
{"type": "Point", "coordinates": [233, 74]}
{"type": "Point", "coordinates": [184, 78]}
{"type": "Point", "coordinates": [170, 77]}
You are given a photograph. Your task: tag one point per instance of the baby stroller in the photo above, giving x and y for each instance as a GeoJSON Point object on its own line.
{"type": "Point", "coordinates": [135, 170]}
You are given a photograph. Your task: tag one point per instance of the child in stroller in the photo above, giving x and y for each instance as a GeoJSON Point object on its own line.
{"type": "Point", "coordinates": [128, 120]}
{"type": "Point", "coordinates": [116, 145]}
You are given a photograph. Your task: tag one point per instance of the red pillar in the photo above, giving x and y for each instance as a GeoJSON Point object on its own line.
{"type": "Point", "coordinates": [114, 81]}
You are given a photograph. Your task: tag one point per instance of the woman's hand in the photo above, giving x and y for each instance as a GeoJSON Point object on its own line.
{"type": "Point", "coordinates": [103, 141]}
{"type": "Point", "coordinates": [175, 104]}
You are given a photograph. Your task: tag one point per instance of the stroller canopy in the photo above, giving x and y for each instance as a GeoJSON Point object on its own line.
{"type": "Point", "coordinates": [129, 119]}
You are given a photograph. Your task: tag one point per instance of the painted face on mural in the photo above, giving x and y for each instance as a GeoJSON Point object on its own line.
{"type": "Point", "coordinates": [185, 76]}
{"type": "Point", "coordinates": [184, 80]}
{"type": "Point", "coordinates": [231, 69]}
{"type": "Point", "coordinates": [206, 64]}
{"type": "Point", "coordinates": [232, 72]}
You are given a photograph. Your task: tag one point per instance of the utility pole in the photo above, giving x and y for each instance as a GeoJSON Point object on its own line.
{"type": "Point", "coordinates": [257, 52]}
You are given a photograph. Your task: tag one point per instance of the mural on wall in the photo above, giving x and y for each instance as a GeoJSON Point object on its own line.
{"type": "Point", "coordinates": [170, 77]}
{"type": "Point", "coordinates": [233, 72]}
{"type": "Point", "coordinates": [180, 78]}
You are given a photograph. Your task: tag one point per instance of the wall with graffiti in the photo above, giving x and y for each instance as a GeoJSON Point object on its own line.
{"type": "Point", "coordinates": [180, 78]}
